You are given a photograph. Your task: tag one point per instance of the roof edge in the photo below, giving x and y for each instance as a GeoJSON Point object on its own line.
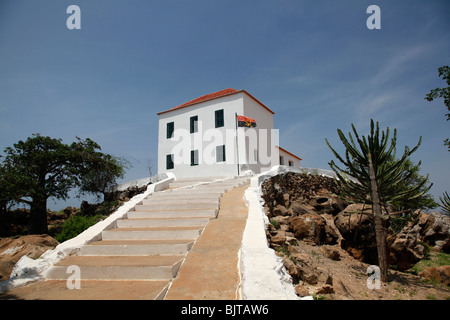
{"type": "Point", "coordinates": [213, 98]}
{"type": "Point", "coordinates": [290, 153]}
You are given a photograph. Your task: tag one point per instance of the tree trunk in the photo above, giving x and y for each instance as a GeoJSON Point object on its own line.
{"type": "Point", "coordinates": [38, 216]}
{"type": "Point", "coordinates": [379, 228]}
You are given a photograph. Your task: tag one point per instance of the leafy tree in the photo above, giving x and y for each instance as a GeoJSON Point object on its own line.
{"type": "Point", "coordinates": [42, 167]}
{"type": "Point", "coordinates": [370, 175]}
{"type": "Point", "coordinates": [98, 171]}
{"type": "Point", "coordinates": [444, 72]}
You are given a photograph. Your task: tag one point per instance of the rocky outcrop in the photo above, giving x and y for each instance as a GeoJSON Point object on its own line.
{"type": "Point", "coordinates": [303, 209]}
{"type": "Point", "coordinates": [13, 248]}
{"type": "Point", "coordinates": [434, 229]}
{"type": "Point", "coordinates": [440, 274]}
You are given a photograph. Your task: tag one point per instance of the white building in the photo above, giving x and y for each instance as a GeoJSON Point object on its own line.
{"type": "Point", "coordinates": [202, 137]}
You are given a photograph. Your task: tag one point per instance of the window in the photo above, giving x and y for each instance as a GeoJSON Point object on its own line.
{"type": "Point", "coordinates": [170, 129]}
{"type": "Point", "coordinates": [220, 153]}
{"type": "Point", "coordinates": [194, 124]}
{"type": "Point", "coordinates": [169, 161]}
{"type": "Point", "coordinates": [281, 161]}
{"type": "Point", "coordinates": [194, 157]}
{"type": "Point", "coordinates": [219, 118]}
{"type": "Point", "coordinates": [291, 164]}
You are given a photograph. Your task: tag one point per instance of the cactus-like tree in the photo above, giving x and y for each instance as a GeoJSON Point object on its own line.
{"type": "Point", "coordinates": [445, 203]}
{"type": "Point", "coordinates": [370, 172]}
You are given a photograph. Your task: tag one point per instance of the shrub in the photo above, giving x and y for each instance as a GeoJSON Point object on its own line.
{"type": "Point", "coordinates": [76, 225]}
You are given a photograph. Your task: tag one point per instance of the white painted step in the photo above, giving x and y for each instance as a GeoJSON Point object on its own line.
{"type": "Point", "coordinates": [155, 201]}
{"type": "Point", "coordinates": [176, 206]}
{"type": "Point", "coordinates": [152, 214]}
{"type": "Point", "coordinates": [118, 267]}
{"type": "Point", "coordinates": [174, 233]}
{"type": "Point", "coordinates": [136, 247]}
{"type": "Point", "coordinates": [185, 196]}
{"type": "Point", "coordinates": [164, 222]}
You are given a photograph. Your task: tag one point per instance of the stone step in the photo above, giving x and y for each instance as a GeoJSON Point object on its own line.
{"type": "Point", "coordinates": [192, 181]}
{"type": "Point", "coordinates": [163, 233]}
{"type": "Point", "coordinates": [213, 188]}
{"type": "Point", "coordinates": [97, 290]}
{"type": "Point", "coordinates": [176, 200]}
{"type": "Point", "coordinates": [167, 205]}
{"type": "Point", "coordinates": [185, 195]}
{"type": "Point", "coordinates": [136, 247]}
{"type": "Point", "coordinates": [118, 267]}
{"type": "Point", "coordinates": [164, 222]}
{"type": "Point", "coordinates": [152, 214]}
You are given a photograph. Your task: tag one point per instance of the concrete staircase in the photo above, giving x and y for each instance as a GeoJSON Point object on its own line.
{"type": "Point", "coordinates": [152, 242]}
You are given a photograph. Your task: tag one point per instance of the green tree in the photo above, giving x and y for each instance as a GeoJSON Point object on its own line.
{"type": "Point", "coordinates": [98, 171]}
{"type": "Point", "coordinates": [369, 175]}
{"type": "Point", "coordinates": [43, 167]}
{"type": "Point", "coordinates": [411, 178]}
{"type": "Point", "coordinates": [444, 72]}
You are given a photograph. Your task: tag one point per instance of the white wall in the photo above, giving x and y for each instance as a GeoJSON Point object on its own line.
{"type": "Point", "coordinates": [261, 139]}
{"type": "Point", "coordinates": [288, 157]}
{"type": "Point", "coordinates": [204, 140]}
{"type": "Point", "coordinates": [266, 137]}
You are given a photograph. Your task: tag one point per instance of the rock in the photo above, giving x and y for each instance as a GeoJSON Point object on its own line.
{"type": "Point", "coordinates": [279, 238]}
{"type": "Point", "coordinates": [280, 210]}
{"type": "Point", "coordinates": [440, 274]}
{"type": "Point", "coordinates": [286, 202]}
{"type": "Point", "coordinates": [291, 268]}
{"type": "Point", "coordinates": [302, 187]}
{"type": "Point", "coordinates": [355, 224]}
{"type": "Point", "coordinates": [330, 253]}
{"type": "Point", "coordinates": [13, 248]}
{"type": "Point", "coordinates": [324, 204]}
{"type": "Point", "coordinates": [435, 230]}
{"type": "Point", "coordinates": [404, 250]}
{"type": "Point", "coordinates": [301, 291]}
{"type": "Point", "coordinates": [309, 227]}
{"type": "Point", "coordinates": [299, 208]}
{"type": "Point", "coordinates": [70, 211]}
{"type": "Point", "coordinates": [326, 289]}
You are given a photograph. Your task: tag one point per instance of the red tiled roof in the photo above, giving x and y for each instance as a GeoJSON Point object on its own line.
{"type": "Point", "coordinates": [212, 96]}
{"type": "Point", "coordinates": [289, 153]}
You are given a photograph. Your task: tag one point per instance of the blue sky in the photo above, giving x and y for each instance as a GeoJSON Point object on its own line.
{"type": "Point", "coordinates": [315, 63]}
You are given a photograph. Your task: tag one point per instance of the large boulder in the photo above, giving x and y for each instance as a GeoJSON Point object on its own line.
{"type": "Point", "coordinates": [312, 228]}
{"type": "Point", "coordinates": [435, 230]}
{"type": "Point", "coordinates": [440, 274]}
{"type": "Point", "coordinates": [404, 248]}
{"type": "Point", "coordinates": [355, 224]}
{"type": "Point", "coordinates": [13, 248]}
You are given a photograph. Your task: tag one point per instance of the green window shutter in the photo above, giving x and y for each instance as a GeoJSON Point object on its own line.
{"type": "Point", "coordinates": [194, 124]}
{"type": "Point", "coordinates": [170, 129]}
{"type": "Point", "coordinates": [219, 118]}
{"type": "Point", "coordinates": [169, 161]}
